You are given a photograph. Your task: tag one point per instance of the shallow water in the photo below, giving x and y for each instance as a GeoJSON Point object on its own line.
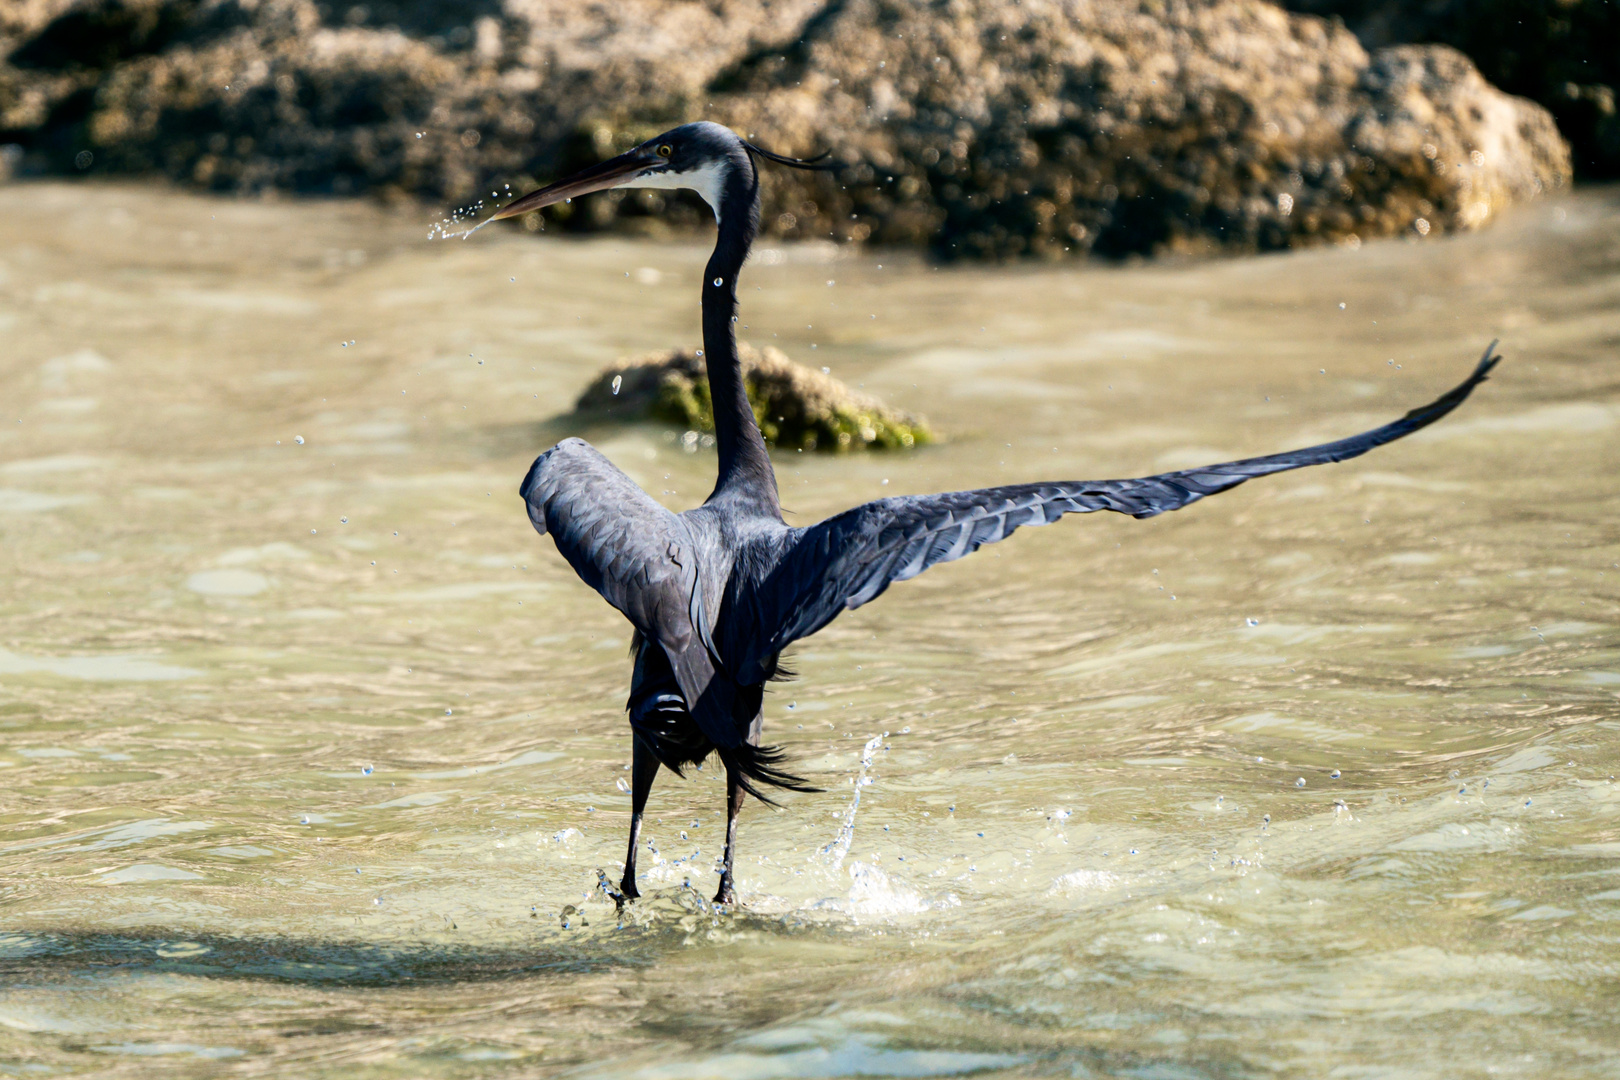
{"type": "Point", "coordinates": [311, 749]}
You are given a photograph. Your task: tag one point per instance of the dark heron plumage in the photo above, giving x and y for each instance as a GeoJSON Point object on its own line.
{"type": "Point", "coordinates": [716, 593]}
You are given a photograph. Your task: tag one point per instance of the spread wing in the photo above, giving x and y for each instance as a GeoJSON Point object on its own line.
{"type": "Point", "coordinates": [619, 541]}
{"type": "Point", "coordinates": [849, 560]}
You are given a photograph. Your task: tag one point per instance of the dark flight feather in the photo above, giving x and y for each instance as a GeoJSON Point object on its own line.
{"type": "Point", "coordinates": [850, 559]}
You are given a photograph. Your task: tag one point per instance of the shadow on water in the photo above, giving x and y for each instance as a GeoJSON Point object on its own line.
{"type": "Point", "coordinates": [50, 955]}
{"type": "Point", "coordinates": [960, 1032]}
{"type": "Point", "coordinates": [594, 940]}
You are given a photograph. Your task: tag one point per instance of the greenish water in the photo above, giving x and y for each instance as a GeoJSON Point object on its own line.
{"type": "Point", "coordinates": [308, 744]}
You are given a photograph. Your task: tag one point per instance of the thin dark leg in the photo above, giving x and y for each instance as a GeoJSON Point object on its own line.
{"type": "Point", "coordinates": [734, 801]}
{"type": "Point", "coordinates": [644, 766]}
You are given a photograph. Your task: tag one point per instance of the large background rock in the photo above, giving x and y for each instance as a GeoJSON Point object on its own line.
{"type": "Point", "coordinates": [1564, 54]}
{"type": "Point", "coordinates": [980, 127]}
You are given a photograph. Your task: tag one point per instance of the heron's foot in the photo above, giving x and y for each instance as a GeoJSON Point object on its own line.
{"type": "Point", "coordinates": [619, 896]}
{"type": "Point", "coordinates": [628, 890]}
{"type": "Point", "coordinates": [726, 895]}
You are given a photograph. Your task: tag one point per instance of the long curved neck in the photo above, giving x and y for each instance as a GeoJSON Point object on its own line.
{"type": "Point", "coordinates": [746, 475]}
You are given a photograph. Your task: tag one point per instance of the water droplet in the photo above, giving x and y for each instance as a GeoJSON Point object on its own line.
{"type": "Point", "coordinates": [1300, 782]}
{"type": "Point", "coordinates": [365, 770]}
{"type": "Point", "coordinates": [1253, 622]}
{"type": "Point", "coordinates": [618, 380]}
{"type": "Point", "coordinates": [299, 439]}
{"type": "Point", "coordinates": [1334, 775]}
{"type": "Point", "coordinates": [449, 712]}
{"type": "Point", "coordinates": [719, 282]}
{"type": "Point", "coordinates": [304, 820]}
{"type": "Point", "coordinates": [621, 785]}
{"type": "Point", "coordinates": [343, 521]}
{"type": "Point", "coordinates": [1527, 802]}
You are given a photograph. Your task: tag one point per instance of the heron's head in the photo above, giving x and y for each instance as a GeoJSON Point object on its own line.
{"type": "Point", "coordinates": [704, 157]}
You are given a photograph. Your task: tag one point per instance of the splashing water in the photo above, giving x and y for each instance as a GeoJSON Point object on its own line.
{"type": "Point", "coordinates": [838, 850]}
{"type": "Point", "coordinates": [451, 228]}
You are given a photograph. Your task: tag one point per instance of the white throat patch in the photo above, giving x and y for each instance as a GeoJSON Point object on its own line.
{"type": "Point", "coordinates": [707, 182]}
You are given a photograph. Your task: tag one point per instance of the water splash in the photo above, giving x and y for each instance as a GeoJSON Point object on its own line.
{"type": "Point", "coordinates": [838, 850]}
{"type": "Point", "coordinates": [452, 227]}
{"type": "Point", "coordinates": [872, 893]}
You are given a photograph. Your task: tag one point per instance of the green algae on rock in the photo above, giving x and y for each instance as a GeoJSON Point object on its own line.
{"type": "Point", "coordinates": [797, 407]}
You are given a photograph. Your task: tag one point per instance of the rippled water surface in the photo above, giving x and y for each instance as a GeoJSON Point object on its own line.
{"type": "Point", "coordinates": [312, 749]}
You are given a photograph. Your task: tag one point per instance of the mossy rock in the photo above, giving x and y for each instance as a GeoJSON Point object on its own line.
{"type": "Point", "coordinates": [796, 407]}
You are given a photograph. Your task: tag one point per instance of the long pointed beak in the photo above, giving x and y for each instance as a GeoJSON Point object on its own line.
{"type": "Point", "coordinates": [608, 174]}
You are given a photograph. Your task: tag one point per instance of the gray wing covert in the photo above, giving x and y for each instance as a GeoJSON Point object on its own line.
{"type": "Point", "coordinates": [642, 559]}
{"type": "Point", "coordinates": [617, 538]}
{"type": "Point", "coordinates": [850, 559]}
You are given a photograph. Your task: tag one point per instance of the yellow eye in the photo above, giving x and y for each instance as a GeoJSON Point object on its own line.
{"type": "Point", "coordinates": [665, 150]}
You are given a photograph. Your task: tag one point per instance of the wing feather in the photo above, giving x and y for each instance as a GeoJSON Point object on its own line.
{"type": "Point", "coordinates": [621, 543]}
{"type": "Point", "coordinates": [643, 560]}
{"type": "Point", "coordinates": [850, 559]}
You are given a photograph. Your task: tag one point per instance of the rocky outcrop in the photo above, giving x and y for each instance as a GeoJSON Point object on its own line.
{"type": "Point", "coordinates": [980, 128]}
{"type": "Point", "coordinates": [797, 408]}
{"type": "Point", "coordinates": [1563, 54]}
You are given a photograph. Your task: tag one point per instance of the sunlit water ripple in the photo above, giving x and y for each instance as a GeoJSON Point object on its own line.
{"type": "Point", "coordinates": [311, 748]}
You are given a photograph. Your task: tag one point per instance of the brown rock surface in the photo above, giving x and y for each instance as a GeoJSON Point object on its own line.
{"type": "Point", "coordinates": [1564, 54]}
{"type": "Point", "coordinates": [979, 127]}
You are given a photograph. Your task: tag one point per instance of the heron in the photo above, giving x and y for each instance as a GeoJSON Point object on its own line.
{"type": "Point", "coordinates": [716, 593]}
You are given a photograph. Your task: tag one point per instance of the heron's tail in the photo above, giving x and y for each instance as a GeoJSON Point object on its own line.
{"type": "Point", "coordinates": [756, 766]}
